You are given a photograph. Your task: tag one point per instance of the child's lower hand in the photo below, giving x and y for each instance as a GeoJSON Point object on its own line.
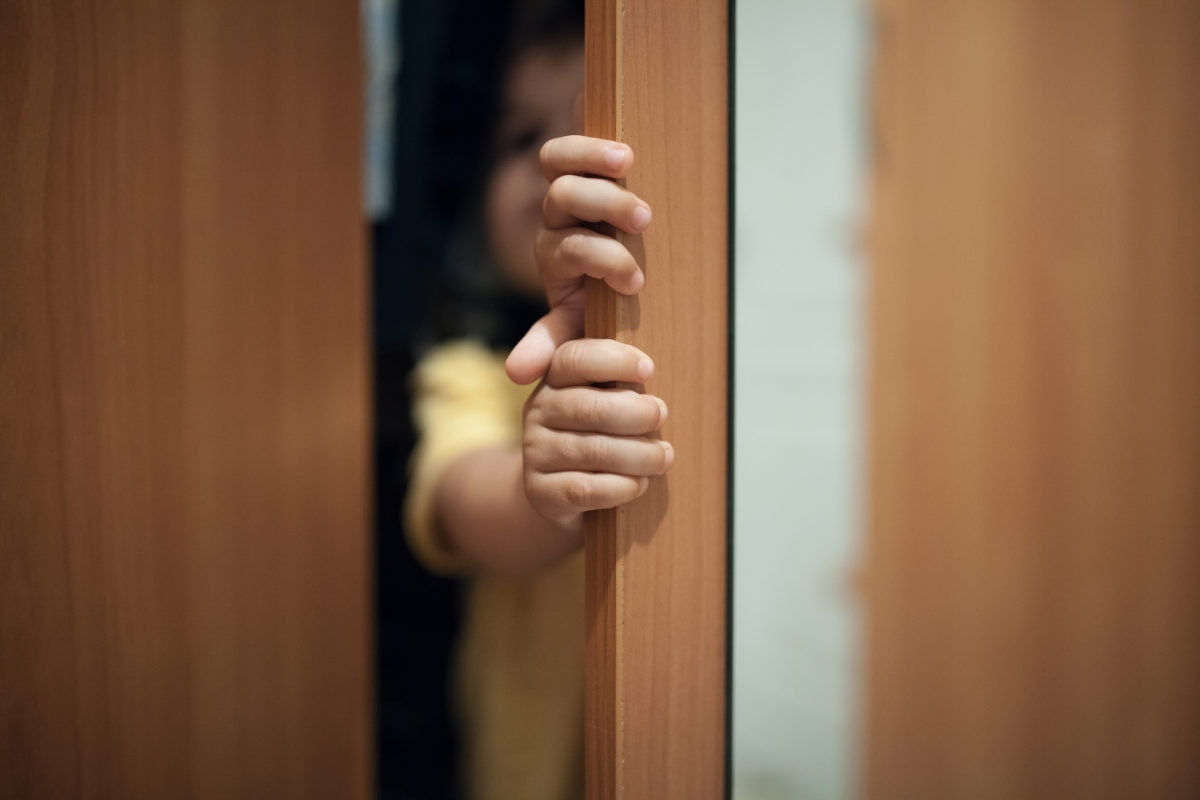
{"type": "Point", "coordinates": [582, 172]}
{"type": "Point", "coordinates": [587, 447]}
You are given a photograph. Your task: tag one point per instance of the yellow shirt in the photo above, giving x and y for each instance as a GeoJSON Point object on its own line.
{"type": "Point", "coordinates": [520, 657]}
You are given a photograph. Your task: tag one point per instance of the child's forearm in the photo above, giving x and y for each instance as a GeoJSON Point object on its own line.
{"type": "Point", "coordinates": [483, 512]}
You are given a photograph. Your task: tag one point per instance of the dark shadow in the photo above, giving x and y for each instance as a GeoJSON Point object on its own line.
{"type": "Point", "coordinates": [449, 50]}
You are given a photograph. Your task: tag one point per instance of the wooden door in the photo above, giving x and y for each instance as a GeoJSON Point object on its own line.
{"type": "Point", "coordinates": [183, 412]}
{"type": "Point", "coordinates": [1034, 545]}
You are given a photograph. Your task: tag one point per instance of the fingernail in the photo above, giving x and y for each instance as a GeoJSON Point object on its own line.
{"type": "Point", "coordinates": [668, 455]}
{"type": "Point", "coordinates": [637, 281]}
{"type": "Point", "coordinates": [614, 157]}
{"type": "Point", "coordinates": [662, 411]}
{"type": "Point", "coordinates": [645, 368]}
{"type": "Point", "coordinates": [640, 218]}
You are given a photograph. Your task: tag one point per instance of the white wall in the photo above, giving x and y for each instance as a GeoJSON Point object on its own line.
{"type": "Point", "coordinates": [798, 351]}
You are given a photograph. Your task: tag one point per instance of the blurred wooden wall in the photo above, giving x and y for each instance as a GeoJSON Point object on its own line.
{"type": "Point", "coordinates": [1034, 545]}
{"type": "Point", "coordinates": [183, 401]}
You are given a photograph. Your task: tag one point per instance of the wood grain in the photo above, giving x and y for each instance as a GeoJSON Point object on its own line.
{"type": "Point", "coordinates": [183, 412]}
{"type": "Point", "coordinates": [1034, 558]}
{"type": "Point", "coordinates": [656, 79]}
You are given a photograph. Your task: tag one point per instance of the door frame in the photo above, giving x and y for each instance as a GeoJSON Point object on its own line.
{"type": "Point", "coordinates": [656, 710]}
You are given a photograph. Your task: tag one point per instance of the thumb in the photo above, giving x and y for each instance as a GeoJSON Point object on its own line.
{"type": "Point", "coordinates": [530, 359]}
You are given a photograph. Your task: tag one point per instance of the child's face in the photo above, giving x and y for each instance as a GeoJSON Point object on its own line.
{"type": "Point", "coordinates": [538, 104]}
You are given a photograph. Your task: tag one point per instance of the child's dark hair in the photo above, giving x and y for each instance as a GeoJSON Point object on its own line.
{"type": "Point", "coordinates": [471, 300]}
{"type": "Point", "coordinates": [544, 24]}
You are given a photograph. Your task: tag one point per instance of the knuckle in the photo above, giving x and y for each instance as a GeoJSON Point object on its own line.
{"type": "Point", "coordinates": [573, 247]}
{"type": "Point", "coordinates": [535, 410]}
{"type": "Point", "coordinates": [536, 447]}
{"type": "Point", "coordinates": [532, 415]}
{"type": "Point", "coordinates": [605, 350]}
{"type": "Point", "coordinates": [590, 410]}
{"type": "Point", "coordinates": [580, 491]}
{"type": "Point", "coordinates": [558, 195]}
{"type": "Point", "coordinates": [541, 493]}
{"type": "Point", "coordinates": [551, 200]}
{"type": "Point", "coordinates": [563, 450]}
{"type": "Point", "coordinates": [599, 450]}
{"type": "Point", "coordinates": [571, 357]}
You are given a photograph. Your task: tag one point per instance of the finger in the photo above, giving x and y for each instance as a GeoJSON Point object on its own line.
{"type": "Point", "coordinates": [569, 253]}
{"type": "Point", "coordinates": [572, 492]}
{"type": "Point", "coordinates": [580, 362]}
{"type": "Point", "coordinates": [562, 451]}
{"type": "Point", "coordinates": [530, 359]}
{"type": "Point", "coordinates": [574, 198]}
{"type": "Point", "coordinates": [621, 412]}
{"type": "Point", "coordinates": [585, 155]}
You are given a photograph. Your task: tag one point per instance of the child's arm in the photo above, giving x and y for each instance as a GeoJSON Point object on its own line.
{"type": "Point", "coordinates": [584, 447]}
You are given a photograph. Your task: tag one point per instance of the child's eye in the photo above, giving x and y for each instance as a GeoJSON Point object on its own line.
{"type": "Point", "coordinates": [520, 142]}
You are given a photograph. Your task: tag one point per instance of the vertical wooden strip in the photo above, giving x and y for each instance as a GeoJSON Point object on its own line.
{"type": "Point", "coordinates": [1034, 575]}
{"type": "Point", "coordinates": [657, 80]}
{"type": "Point", "coordinates": [603, 568]}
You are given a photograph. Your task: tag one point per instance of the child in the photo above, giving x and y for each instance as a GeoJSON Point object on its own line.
{"type": "Point", "coordinates": [502, 476]}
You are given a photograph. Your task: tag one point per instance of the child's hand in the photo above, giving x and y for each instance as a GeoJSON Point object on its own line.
{"type": "Point", "coordinates": [582, 173]}
{"type": "Point", "coordinates": [587, 447]}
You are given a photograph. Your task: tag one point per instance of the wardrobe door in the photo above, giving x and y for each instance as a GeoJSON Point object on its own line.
{"type": "Point", "coordinates": [1034, 559]}
{"type": "Point", "coordinates": [183, 401]}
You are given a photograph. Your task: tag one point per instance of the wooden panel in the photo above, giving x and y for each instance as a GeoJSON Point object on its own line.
{"type": "Point", "coordinates": [1034, 576]}
{"type": "Point", "coordinates": [183, 428]}
{"type": "Point", "coordinates": [656, 79]}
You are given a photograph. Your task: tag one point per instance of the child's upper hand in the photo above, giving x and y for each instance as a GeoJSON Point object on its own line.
{"type": "Point", "coordinates": [582, 173]}
{"type": "Point", "coordinates": [587, 447]}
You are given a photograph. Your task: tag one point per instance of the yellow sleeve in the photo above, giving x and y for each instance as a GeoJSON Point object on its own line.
{"type": "Point", "coordinates": [462, 401]}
